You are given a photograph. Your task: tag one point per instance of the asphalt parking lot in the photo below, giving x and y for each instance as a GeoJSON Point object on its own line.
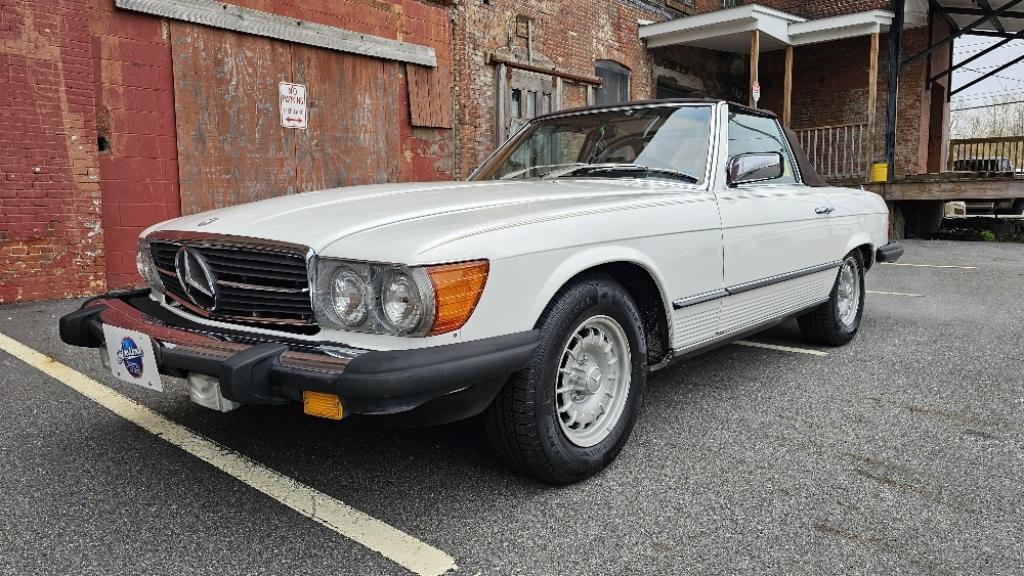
{"type": "Point", "coordinates": [902, 453]}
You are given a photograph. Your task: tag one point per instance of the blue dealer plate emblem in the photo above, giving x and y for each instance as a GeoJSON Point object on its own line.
{"type": "Point", "coordinates": [131, 356]}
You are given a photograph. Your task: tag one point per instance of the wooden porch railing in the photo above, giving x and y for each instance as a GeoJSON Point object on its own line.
{"type": "Point", "coordinates": [836, 152]}
{"type": "Point", "coordinates": [986, 154]}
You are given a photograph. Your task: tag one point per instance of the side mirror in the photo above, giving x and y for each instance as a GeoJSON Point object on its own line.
{"type": "Point", "coordinates": [754, 167]}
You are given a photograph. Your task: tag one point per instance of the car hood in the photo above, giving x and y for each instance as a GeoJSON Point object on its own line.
{"type": "Point", "coordinates": [415, 217]}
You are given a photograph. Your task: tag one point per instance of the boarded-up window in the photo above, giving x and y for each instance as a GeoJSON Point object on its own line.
{"type": "Point", "coordinates": [615, 86]}
{"type": "Point", "coordinates": [430, 96]}
{"type": "Point", "coordinates": [529, 95]}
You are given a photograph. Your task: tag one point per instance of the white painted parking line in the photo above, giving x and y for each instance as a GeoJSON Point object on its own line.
{"type": "Point", "coordinates": [928, 265]}
{"type": "Point", "coordinates": [780, 348]}
{"type": "Point", "coordinates": [907, 294]}
{"type": "Point", "coordinates": [403, 549]}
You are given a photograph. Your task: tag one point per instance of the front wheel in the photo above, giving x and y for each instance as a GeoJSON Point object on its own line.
{"type": "Point", "coordinates": [567, 414]}
{"type": "Point", "coordinates": [836, 322]}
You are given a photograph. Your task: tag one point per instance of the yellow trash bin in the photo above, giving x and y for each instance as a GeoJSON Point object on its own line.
{"type": "Point", "coordinates": [880, 172]}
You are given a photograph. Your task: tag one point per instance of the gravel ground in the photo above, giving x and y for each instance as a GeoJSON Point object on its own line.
{"type": "Point", "coordinates": [900, 453]}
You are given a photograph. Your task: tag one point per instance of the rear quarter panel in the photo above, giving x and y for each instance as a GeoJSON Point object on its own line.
{"type": "Point", "coordinates": [860, 218]}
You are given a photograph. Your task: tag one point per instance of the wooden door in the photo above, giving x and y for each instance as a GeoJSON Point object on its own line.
{"type": "Point", "coordinates": [231, 145]}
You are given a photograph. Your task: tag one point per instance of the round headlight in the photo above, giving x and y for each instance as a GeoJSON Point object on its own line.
{"type": "Point", "coordinates": [401, 302]}
{"type": "Point", "coordinates": [349, 297]}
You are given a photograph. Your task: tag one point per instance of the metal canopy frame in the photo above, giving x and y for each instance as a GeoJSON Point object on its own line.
{"type": "Point", "coordinates": [995, 24]}
{"type": "Point", "coordinates": [985, 14]}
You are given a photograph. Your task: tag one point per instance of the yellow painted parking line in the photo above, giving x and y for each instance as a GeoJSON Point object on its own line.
{"type": "Point", "coordinates": [780, 348]}
{"type": "Point", "coordinates": [928, 265]}
{"type": "Point", "coordinates": [907, 294]}
{"type": "Point", "coordinates": [399, 547]}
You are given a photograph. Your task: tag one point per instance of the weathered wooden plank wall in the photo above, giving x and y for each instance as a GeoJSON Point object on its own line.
{"type": "Point", "coordinates": [231, 146]}
{"type": "Point", "coordinates": [353, 135]}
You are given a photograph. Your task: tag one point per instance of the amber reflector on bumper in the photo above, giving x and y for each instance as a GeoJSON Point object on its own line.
{"type": "Point", "coordinates": [321, 405]}
{"type": "Point", "coordinates": [457, 289]}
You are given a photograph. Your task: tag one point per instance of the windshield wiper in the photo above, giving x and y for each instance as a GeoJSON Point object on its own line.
{"type": "Point", "coordinates": [597, 168]}
{"type": "Point", "coordinates": [554, 168]}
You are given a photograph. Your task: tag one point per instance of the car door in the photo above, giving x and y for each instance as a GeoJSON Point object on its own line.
{"type": "Point", "coordinates": [776, 236]}
{"type": "Point", "coordinates": [691, 258]}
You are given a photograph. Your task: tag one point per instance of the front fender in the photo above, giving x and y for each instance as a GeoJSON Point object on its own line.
{"type": "Point", "coordinates": [522, 287]}
{"type": "Point", "coordinates": [590, 258]}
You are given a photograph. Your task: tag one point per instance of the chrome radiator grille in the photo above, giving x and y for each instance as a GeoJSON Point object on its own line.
{"type": "Point", "coordinates": [252, 282]}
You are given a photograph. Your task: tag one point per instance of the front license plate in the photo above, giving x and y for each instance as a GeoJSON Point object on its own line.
{"type": "Point", "coordinates": [132, 357]}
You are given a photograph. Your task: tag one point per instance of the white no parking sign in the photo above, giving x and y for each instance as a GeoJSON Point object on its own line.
{"type": "Point", "coordinates": [293, 105]}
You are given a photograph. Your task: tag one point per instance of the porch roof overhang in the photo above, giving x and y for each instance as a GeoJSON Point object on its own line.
{"type": "Point", "coordinates": [729, 30]}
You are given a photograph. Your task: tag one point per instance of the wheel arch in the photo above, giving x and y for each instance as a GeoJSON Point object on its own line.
{"type": "Point", "coordinates": [862, 243]}
{"type": "Point", "coordinates": [638, 275]}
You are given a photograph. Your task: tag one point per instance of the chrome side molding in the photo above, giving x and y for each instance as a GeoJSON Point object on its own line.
{"type": "Point", "coordinates": [700, 298]}
{"type": "Point", "coordinates": [752, 285]}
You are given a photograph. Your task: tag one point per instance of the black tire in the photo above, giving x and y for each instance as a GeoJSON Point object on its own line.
{"type": "Point", "coordinates": [823, 325]}
{"type": "Point", "coordinates": [523, 424]}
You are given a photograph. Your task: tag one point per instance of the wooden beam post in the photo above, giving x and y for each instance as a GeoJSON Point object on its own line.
{"type": "Point", "coordinates": [896, 64]}
{"type": "Point", "coordinates": [502, 103]}
{"type": "Point", "coordinates": [787, 89]}
{"type": "Point", "coordinates": [872, 101]}
{"type": "Point", "coordinates": [755, 56]}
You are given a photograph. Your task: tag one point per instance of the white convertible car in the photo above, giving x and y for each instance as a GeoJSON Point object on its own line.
{"type": "Point", "coordinates": [595, 246]}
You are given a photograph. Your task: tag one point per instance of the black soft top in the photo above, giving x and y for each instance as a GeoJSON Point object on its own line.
{"type": "Point", "coordinates": [807, 172]}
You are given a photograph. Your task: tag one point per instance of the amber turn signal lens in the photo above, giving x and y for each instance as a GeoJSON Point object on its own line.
{"type": "Point", "coordinates": [321, 405]}
{"type": "Point", "coordinates": [457, 289]}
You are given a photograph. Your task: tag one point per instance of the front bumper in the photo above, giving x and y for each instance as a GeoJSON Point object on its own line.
{"type": "Point", "coordinates": [439, 384]}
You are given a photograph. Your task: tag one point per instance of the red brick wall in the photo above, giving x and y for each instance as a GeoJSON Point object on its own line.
{"type": "Point", "coordinates": [823, 8]}
{"type": "Point", "coordinates": [72, 71]}
{"type": "Point", "coordinates": [51, 239]}
{"type": "Point", "coordinates": [916, 99]}
{"type": "Point", "coordinates": [830, 82]}
{"type": "Point", "coordinates": [407, 20]}
{"type": "Point", "coordinates": [135, 114]}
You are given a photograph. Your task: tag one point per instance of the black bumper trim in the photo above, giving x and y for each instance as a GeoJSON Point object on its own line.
{"type": "Point", "coordinates": [76, 328]}
{"type": "Point", "coordinates": [891, 252]}
{"type": "Point", "coordinates": [245, 377]}
{"type": "Point", "coordinates": [368, 382]}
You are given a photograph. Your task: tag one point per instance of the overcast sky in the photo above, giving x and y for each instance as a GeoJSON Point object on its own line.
{"type": "Point", "coordinates": [1007, 84]}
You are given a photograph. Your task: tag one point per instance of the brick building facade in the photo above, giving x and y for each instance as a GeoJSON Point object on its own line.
{"type": "Point", "coordinates": [97, 110]}
{"type": "Point", "coordinates": [553, 39]}
{"type": "Point", "coordinates": [115, 119]}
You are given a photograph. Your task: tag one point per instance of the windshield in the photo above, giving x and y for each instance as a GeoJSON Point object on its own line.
{"type": "Point", "coordinates": [665, 142]}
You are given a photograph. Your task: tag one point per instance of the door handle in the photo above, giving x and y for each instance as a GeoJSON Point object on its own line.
{"type": "Point", "coordinates": [824, 210]}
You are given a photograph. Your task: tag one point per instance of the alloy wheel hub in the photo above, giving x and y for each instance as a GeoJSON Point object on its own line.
{"type": "Point", "coordinates": [593, 381]}
{"type": "Point", "coordinates": [848, 293]}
